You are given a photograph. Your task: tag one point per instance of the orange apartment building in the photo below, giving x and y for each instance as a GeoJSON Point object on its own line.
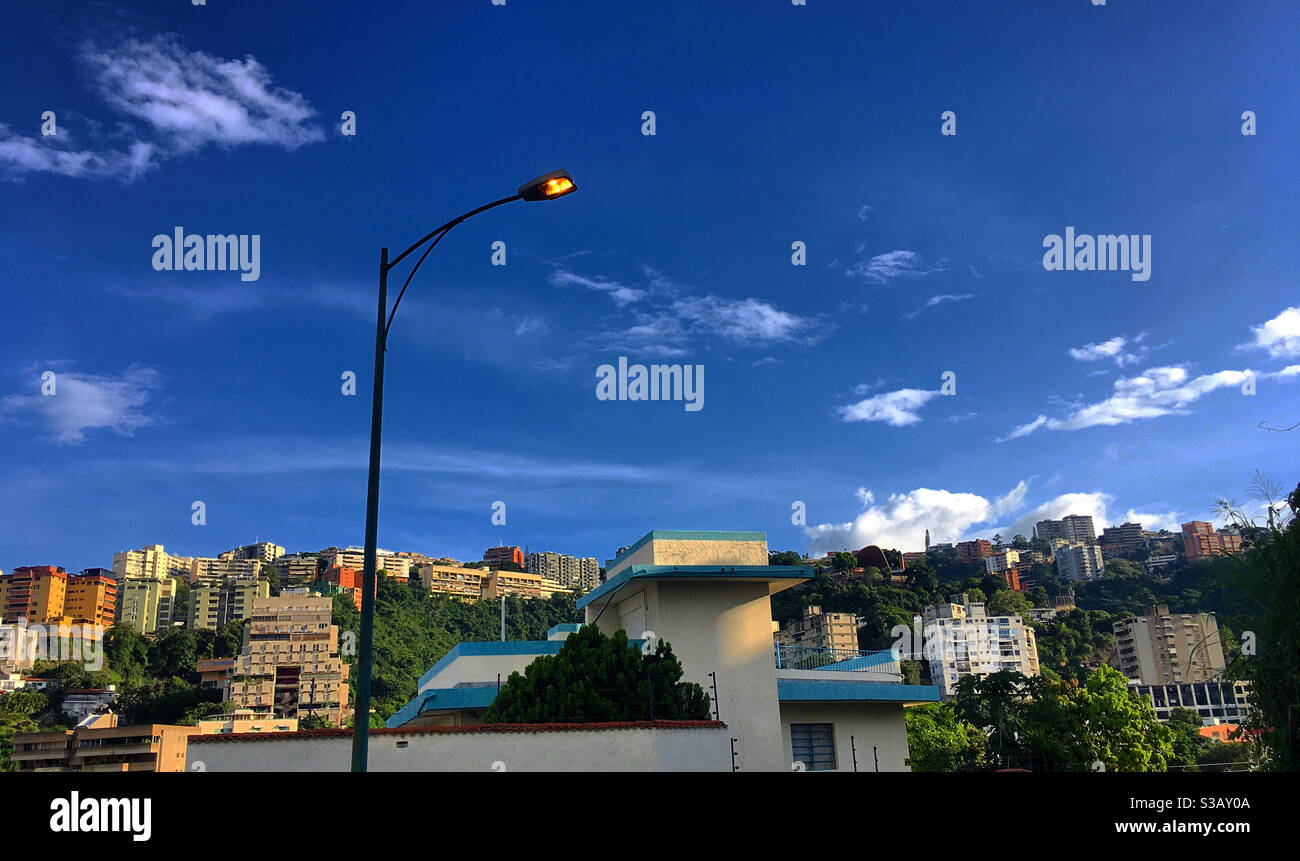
{"type": "Point", "coordinates": [46, 594]}
{"type": "Point", "coordinates": [104, 746]}
{"type": "Point", "coordinates": [1200, 540]}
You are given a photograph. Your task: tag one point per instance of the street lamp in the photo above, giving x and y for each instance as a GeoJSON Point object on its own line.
{"type": "Point", "coordinates": [546, 187]}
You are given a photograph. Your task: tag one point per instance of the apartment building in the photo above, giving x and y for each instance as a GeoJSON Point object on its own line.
{"type": "Point", "coordinates": [262, 551]}
{"type": "Point", "coordinates": [102, 745]}
{"type": "Point", "coordinates": [1162, 648]}
{"type": "Point", "coordinates": [1213, 701]}
{"type": "Point", "coordinates": [572, 573]}
{"type": "Point", "coordinates": [961, 640]}
{"type": "Point", "coordinates": [1200, 540]}
{"type": "Point", "coordinates": [48, 595]}
{"type": "Point", "coordinates": [1123, 540]}
{"type": "Point", "coordinates": [495, 557]}
{"type": "Point", "coordinates": [34, 593]}
{"type": "Point", "coordinates": [205, 570]}
{"type": "Point", "coordinates": [1075, 528]}
{"type": "Point", "coordinates": [1003, 560]}
{"type": "Point", "coordinates": [525, 585]}
{"type": "Point", "coordinates": [147, 603]}
{"type": "Point", "coordinates": [355, 557]}
{"type": "Point", "coordinates": [290, 663]}
{"type": "Point", "coordinates": [150, 561]}
{"type": "Point", "coordinates": [213, 604]}
{"type": "Point", "coordinates": [814, 629]}
{"type": "Point", "coordinates": [975, 551]}
{"type": "Point", "coordinates": [1077, 562]}
{"type": "Point", "coordinates": [297, 569]}
{"type": "Point", "coordinates": [246, 720]}
{"type": "Point", "coordinates": [466, 583]}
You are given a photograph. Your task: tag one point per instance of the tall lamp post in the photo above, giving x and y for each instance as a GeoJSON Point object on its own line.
{"type": "Point", "coordinates": [547, 187]}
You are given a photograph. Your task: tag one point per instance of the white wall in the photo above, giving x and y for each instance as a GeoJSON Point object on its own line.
{"type": "Point", "coordinates": [637, 750]}
{"type": "Point", "coordinates": [879, 724]}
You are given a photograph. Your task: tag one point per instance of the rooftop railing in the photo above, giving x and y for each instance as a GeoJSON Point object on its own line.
{"type": "Point", "coordinates": [846, 660]}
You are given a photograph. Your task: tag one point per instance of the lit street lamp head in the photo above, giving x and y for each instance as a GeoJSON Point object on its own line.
{"type": "Point", "coordinates": [548, 186]}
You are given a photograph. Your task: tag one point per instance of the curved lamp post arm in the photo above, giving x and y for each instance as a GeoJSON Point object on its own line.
{"type": "Point", "coordinates": [439, 232]}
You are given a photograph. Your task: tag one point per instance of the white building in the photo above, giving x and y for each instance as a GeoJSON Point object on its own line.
{"type": "Point", "coordinates": [1003, 560]}
{"type": "Point", "coordinates": [1077, 562]}
{"type": "Point", "coordinates": [962, 640]}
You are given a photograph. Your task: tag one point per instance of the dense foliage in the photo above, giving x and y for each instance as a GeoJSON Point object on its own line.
{"type": "Point", "coordinates": [414, 629]}
{"type": "Point", "coordinates": [595, 678]}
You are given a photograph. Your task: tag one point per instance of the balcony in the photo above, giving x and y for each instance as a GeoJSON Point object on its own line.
{"type": "Point", "coordinates": [848, 660]}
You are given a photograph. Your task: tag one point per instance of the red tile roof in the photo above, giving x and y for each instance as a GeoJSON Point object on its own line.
{"type": "Point", "coordinates": [448, 730]}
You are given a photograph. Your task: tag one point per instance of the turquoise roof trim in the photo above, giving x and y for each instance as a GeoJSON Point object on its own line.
{"type": "Point", "coordinates": [509, 647]}
{"type": "Point", "coordinates": [695, 572]}
{"type": "Point", "coordinates": [814, 690]}
{"type": "Point", "coordinates": [436, 699]}
{"type": "Point", "coordinates": [567, 627]}
{"type": "Point", "coordinates": [686, 535]}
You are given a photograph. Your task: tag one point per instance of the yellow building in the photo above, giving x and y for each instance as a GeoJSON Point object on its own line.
{"type": "Point", "coordinates": [147, 603]}
{"type": "Point", "coordinates": [204, 570]}
{"type": "Point", "coordinates": [33, 593]}
{"type": "Point", "coordinates": [150, 561]}
{"type": "Point", "coordinates": [214, 604]}
{"type": "Point", "coordinates": [290, 663]}
{"type": "Point", "coordinates": [498, 583]}
{"type": "Point", "coordinates": [246, 720]}
{"type": "Point", "coordinates": [450, 580]}
{"type": "Point", "coordinates": [104, 746]}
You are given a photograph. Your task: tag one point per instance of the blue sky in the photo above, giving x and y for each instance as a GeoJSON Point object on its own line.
{"type": "Point", "coordinates": [1083, 392]}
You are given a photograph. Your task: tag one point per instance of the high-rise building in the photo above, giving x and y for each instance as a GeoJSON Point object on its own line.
{"type": "Point", "coordinates": [836, 632]}
{"type": "Point", "coordinates": [91, 597]}
{"type": "Point", "coordinates": [214, 604]}
{"type": "Point", "coordinates": [581, 575]}
{"type": "Point", "coordinates": [1200, 540]}
{"type": "Point", "coordinates": [1002, 561]}
{"type": "Point", "coordinates": [262, 551]}
{"type": "Point", "coordinates": [290, 663]}
{"type": "Point", "coordinates": [1162, 648]}
{"type": "Point", "coordinates": [355, 557]}
{"type": "Point", "coordinates": [962, 640]}
{"type": "Point", "coordinates": [297, 569]}
{"type": "Point", "coordinates": [1077, 562]}
{"type": "Point", "coordinates": [495, 557]}
{"type": "Point", "coordinates": [1076, 528]}
{"type": "Point", "coordinates": [1123, 540]}
{"type": "Point", "coordinates": [204, 570]}
{"type": "Point", "coordinates": [34, 593]}
{"type": "Point", "coordinates": [147, 603]}
{"type": "Point", "coordinates": [150, 561]}
{"type": "Point", "coordinates": [975, 551]}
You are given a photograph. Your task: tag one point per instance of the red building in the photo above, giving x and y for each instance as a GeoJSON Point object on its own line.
{"type": "Point", "coordinates": [975, 551]}
{"type": "Point", "coordinates": [1200, 540]}
{"type": "Point", "coordinates": [495, 556]}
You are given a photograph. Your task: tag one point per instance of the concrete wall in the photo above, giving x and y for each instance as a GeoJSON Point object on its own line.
{"type": "Point", "coordinates": [610, 750]}
{"type": "Point", "coordinates": [479, 668]}
{"type": "Point", "coordinates": [722, 627]}
{"type": "Point", "coordinates": [879, 724]}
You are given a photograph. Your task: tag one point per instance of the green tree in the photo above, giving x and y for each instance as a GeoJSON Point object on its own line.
{"type": "Point", "coordinates": [1188, 743]}
{"type": "Point", "coordinates": [938, 740]}
{"type": "Point", "coordinates": [595, 678]}
{"type": "Point", "coordinates": [18, 712]}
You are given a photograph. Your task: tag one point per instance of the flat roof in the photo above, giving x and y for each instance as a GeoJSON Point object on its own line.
{"type": "Point", "coordinates": [816, 690]}
{"type": "Point", "coordinates": [443, 699]}
{"type": "Point", "coordinates": [686, 535]}
{"type": "Point", "coordinates": [640, 574]}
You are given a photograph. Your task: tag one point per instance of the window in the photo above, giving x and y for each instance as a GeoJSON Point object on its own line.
{"type": "Point", "coordinates": [813, 744]}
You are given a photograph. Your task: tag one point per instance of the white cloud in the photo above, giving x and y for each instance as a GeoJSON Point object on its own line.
{"type": "Point", "coordinates": [532, 325]}
{"type": "Point", "coordinates": [939, 300]}
{"type": "Point", "coordinates": [1280, 336]}
{"type": "Point", "coordinates": [1151, 394]}
{"type": "Point", "coordinates": [741, 319]}
{"type": "Point", "coordinates": [897, 409]}
{"type": "Point", "coordinates": [893, 265]}
{"type": "Point", "coordinates": [83, 402]}
{"type": "Point", "coordinates": [621, 293]}
{"type": "Point", "coordinates": [1110, 349]}
{"type": "Point", "coordinates": [863, 212]}
{"type": "Point", "coordinates": [900, 522]}
{"type": "Point", "coordinates": [184, 100]}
